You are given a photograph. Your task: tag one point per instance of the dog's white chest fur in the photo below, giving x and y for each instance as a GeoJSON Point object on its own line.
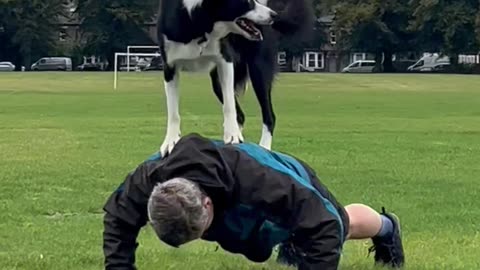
{"type": "Point", "coordinates": [199, 54]}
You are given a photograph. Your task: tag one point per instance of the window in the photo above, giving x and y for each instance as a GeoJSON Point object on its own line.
{"type": "Point", "coordinates": [314, 60]}
{"type": "Point", "coordinates": [62, 36]}
{"type": "Point", "coordinates": [282, 58]}
{"type": "Point", "coordinates": [333, 37]}
{"type": "Point", "coordinates": [359, 56]}
{"type": "Point", "coordinates": [368, 64]}
{"type": "Point", "coordinates": [357, 64]}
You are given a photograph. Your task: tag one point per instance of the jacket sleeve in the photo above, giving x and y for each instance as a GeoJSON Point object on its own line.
{"type": "Point", "coordinates": [326, 240]}
{"type": "Point", "coordinates": [317, 237]}
{"type": "Point", "coordinates": [125, 215]}
{"type": "Point", "coordinates": [312, 219]}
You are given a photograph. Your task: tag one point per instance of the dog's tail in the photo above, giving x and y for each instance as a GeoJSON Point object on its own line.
{"type": "Point", "coordinates": [240, 78]}
{"type": "Point", "coordinates": [295, 17]}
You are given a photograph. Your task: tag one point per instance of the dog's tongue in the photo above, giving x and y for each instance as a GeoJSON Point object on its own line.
{"type": "Point", "coordinates": [254, 32]}
{"type": "Point", "coordinates": [258, 36]}
{"type": "Point", "coordinates": [249, 26]}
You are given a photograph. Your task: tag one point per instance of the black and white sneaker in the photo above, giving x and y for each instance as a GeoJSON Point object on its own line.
{"type": "Point", "coordinates": [389, 249]}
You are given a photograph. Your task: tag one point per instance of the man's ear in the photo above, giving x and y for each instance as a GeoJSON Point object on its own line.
{"type": "Point", "coordinates": [207, 202]}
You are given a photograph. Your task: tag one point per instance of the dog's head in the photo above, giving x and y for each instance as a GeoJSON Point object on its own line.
{"type": "Point", "coordinates": [244, 15]}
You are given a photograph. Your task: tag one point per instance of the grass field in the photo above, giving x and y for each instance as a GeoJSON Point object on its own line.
{"type": "Point", "coordinates": [407, 142]}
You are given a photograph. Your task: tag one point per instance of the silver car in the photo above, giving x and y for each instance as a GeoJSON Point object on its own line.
{"type": "Point", "coordinates": [7, 66]}
{"type": "Point", "coordinates": [361, 66]}
{"type": "Point", "coordinates": [53, 64]}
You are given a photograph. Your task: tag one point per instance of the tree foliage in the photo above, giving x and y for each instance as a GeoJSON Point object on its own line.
{"type": "Point", "coordinates": [378, 26]}
{"type": "Point", "coordinates": [448, 26]}
{"type": "Point", "coordinates": [110, 26]}
{"type": "Point", "coordinates": [312, 39]}
{"type": "Point", "coordinates": [29, 28]}
{"type": "Point", "coordinates": [477, 25]}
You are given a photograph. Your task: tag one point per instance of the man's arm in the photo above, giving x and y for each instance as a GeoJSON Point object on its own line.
{"type": "Point", "coordinates": [284, 193]}
{"type": "Point", "coordinates": [125, 215]}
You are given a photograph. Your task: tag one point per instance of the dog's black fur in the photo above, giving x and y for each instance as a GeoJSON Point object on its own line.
{"type": "Point", "coordinates": [254, 60]}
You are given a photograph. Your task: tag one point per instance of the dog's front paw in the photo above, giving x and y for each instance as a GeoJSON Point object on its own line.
{"type": "Point", "coordinates": [168, 144]}
{"type": "Point", "coordinates": [232, 134]}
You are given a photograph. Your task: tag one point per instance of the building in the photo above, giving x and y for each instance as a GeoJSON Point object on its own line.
{"type": "Point", "coordinates": [328, 57]}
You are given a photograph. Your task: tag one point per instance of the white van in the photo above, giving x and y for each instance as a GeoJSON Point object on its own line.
{"type": "Point", "coordinates": [52, 64]}
{"type": "Point", "coordinates": [429, 62]}
{"type": "Point", "coordinates": [361, 66]}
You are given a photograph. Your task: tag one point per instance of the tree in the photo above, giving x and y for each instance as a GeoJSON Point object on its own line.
{"type": "Point", "coordinates": [110, 26]}
{"type": "Point", "coordinates": [447, 26]}
{"type": "Point", "coordinates": [379, 27]}
{"type": "Point", "coordinates": [477, 26]}
{"type": "Point", "coordinates": [7, 48]}
{"type": "Point", "coordinates": [324, 7]}
{"type": "Point", "coordinates": [314, 37]}
{"type": "Point", "coordinates": [29, 27]}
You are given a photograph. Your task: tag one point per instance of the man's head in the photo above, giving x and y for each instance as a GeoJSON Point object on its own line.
{"type": "Point", "coordinates": [179, 211]}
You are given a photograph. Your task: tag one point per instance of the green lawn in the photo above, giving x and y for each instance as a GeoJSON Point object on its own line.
{"type": "Point", "coordinates": [407, 142]}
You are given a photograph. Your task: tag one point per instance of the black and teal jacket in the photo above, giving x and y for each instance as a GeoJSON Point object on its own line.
{"type": "Point", "coordinates": [261, 198]}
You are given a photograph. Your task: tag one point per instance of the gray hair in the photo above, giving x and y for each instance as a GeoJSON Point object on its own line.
{"type": "Point", "coordinates": [176, 212]}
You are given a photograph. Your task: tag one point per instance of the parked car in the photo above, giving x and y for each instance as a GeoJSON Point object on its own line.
{"type": "Point", "coordinates": [441, 67]}
{"type": "Point", "coordinates": [53, 63]}
{"type": "Point", "coordinates": [361, 66]}
{"type": "Point", "coordinates": [142, 63]}
{"type": "Point", "coordinates": [155, 64]}
{"type": "Point", "coordinates": [7, 66]}
{"type": "Point", "coordinates": [90, 67]}
{"type": "Point", "coordinates": [429, 62]}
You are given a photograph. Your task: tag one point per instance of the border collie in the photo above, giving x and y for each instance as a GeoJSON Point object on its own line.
{"type": "Point", "coordinates": [233, 40]}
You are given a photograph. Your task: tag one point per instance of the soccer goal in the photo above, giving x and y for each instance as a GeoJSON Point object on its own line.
{"type": "Point", "coordinates": [124, 64]}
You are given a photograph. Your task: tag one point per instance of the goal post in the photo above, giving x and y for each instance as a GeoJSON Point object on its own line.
{"type": "Point", "coordinates": [115, 68]}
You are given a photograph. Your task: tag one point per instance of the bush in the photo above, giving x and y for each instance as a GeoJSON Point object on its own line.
{"type": "Point", "coordinates": [463, 69]}
{"type": "Point", "coordinates": [402, 66]}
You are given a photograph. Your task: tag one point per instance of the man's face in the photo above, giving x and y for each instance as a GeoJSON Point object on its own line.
{"type": "Point", "coordinates": [207, 205]}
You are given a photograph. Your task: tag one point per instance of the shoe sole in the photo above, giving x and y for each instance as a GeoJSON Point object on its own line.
{"type": "Point", "coordinates": [397, 221]}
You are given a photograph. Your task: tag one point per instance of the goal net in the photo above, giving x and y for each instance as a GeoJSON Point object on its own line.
{"type": "Point", "coordinates": [137, 61]}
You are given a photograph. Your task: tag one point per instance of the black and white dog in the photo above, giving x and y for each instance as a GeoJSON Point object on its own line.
{"type": "Point", "coordinates": [233, 40]}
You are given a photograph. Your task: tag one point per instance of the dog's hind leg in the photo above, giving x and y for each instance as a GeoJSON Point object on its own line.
{"type": "Point", "coordinates": [261, 75]}
{"type": "Point", "coordinates": [232, 132]}
{"type": "Point", "coordinates": [171, 76]}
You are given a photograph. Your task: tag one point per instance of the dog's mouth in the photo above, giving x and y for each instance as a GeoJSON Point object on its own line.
{"type": "Point", "coordinates": [249, 28]}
